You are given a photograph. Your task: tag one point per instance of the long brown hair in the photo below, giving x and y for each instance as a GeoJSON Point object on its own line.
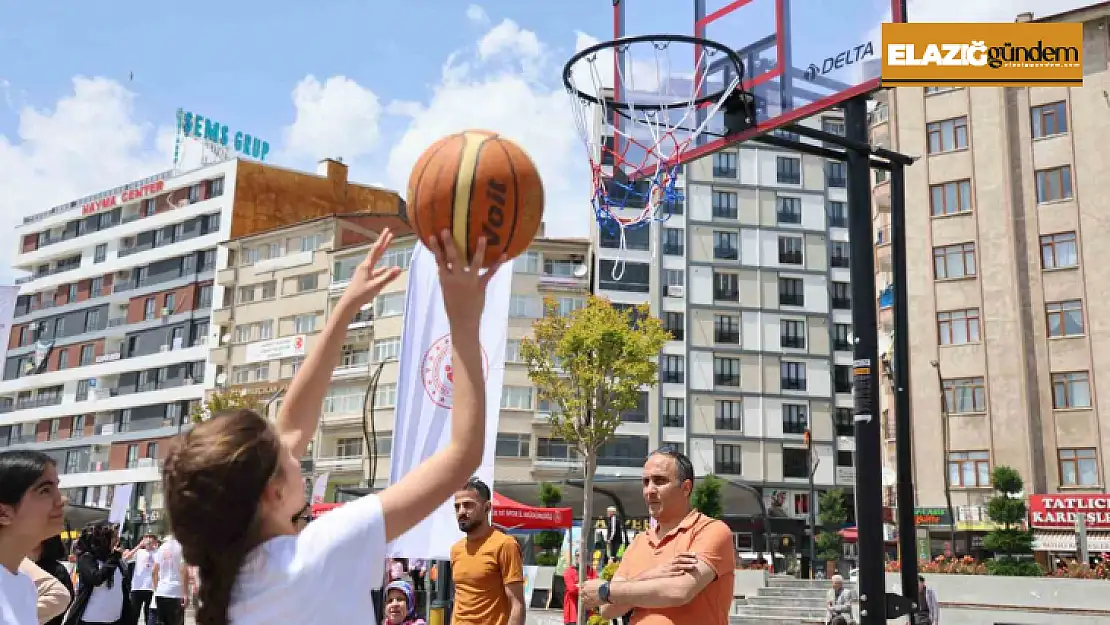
{"type": "Point", "coordinates": [213, 481]}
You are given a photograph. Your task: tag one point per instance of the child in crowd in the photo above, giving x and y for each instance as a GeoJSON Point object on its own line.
{"type": "Point", "coordinates": [400, 605]}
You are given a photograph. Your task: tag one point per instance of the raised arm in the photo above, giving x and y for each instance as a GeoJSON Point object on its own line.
{"type": "Point", "coordinates": [300, 412]}
{"type": "Point", "coordinates": [426, 487]}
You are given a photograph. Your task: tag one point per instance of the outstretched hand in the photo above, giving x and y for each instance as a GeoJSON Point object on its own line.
{"type": "Point", "coordinates": [463, 285]}
{"type": "Point", "coordinates": [368, 279]}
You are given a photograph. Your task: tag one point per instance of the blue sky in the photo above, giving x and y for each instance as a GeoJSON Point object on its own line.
{"type": "Point", "coordinates": [88, 95]}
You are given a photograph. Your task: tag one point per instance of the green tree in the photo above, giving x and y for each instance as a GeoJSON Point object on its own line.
{"type": "Point", "coordinates": [549, 542]}
{"type": "Point", "coordinates": [225, 399]}
{"type": "Point", "coordinates": [1011, 543]}
{"type": "Point", "coordinates": [707, 496]}
{"type": "Point", "coordinates": [592, 365]}
{"type": "Point", "coordinates": [834, 514]}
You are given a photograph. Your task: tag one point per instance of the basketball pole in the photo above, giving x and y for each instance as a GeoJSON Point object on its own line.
{"type": "Point", "coordinates": [865, 375]}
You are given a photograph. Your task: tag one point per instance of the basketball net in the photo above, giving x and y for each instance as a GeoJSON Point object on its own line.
{"type": "Point", "coordinates": [643, 127]}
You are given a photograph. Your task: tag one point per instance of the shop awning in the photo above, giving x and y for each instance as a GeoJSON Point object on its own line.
{"type": "Point", "coordinates": [1065, 541]}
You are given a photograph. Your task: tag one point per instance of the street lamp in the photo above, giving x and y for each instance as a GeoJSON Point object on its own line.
{"type": "Point", "coordinates": [947, 465]}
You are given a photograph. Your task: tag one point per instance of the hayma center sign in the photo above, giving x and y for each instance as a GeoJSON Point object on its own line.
{"type": "Point", "coordinates": [196, 126]}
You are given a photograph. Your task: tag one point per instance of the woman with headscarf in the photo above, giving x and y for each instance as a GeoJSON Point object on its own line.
{"type": "Point", "coordinates": [400, 605]}
{"type": "Point", "coordinates": [103, 589]}
{"type": "Point", "coordinates": [55, 590]}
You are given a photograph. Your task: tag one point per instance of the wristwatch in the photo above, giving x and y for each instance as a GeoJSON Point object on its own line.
{"type": "Point", "coordinates": [603, 592]}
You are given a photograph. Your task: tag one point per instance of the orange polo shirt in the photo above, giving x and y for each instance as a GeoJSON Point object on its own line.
{"type": "Point", "coordinates": [711, 541]}
{"type": "Point", "coordinates": [481, 569]}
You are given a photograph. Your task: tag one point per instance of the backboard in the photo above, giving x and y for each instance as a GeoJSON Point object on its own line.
{"type": "Point", "coordinates": [800, 57]}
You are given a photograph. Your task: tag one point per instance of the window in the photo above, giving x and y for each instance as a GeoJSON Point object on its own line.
{"type": "Point", "coordinates": [303, 324]}
{"type": "Point", "coordinates": [788, 169]}
{"type": "Point", "coordinates": [568, 304]}
{"type": "Point", "coordinates": [673, 370]}
{"type": "Point", "coordinates": [841, 296]}
{"type": "Point", "coordinates": [725, 245]}
{"type": "Point", "coordinates": [841, 255]}
{"type": "Point", "coordinates": [343, 268]}
{"type": "Point", "coordinates": [1049, 120]}
{"type": "Point", "coordinates": [92, 320]}
{"type": "Point", "coordinates": [726, 329]}
{"type": "Point", "coordinates": [265, 329]}
{"type": "Point", "coordinates": [554, 449]}
{"type": "Point", "coordinates": [842, 379]}
{"type": "Point", "coordinates": [148, 308]}
{"type": "Point", "coordinates": [674, 241]}
{"type": "Point", "coordinates": [525, 306]}
{"type": "Point", "coordinates": [389, 305]}
{"type": "Point", "coordinates": [794, 420]}
{"type": "Point", "coordinates": [1059, 251]}
{"type": "Point", "coordinates": [100, 253]}
{"type": "Point", "coordinates": [726, 287]}
{"type": "Point", "coordinates": [841, 342]}
{"type": "Point", "coordinates": [308, 282]}
{"type": "Point", "coordinates": [152, 450]}
{"type": "Point", "coordinates": [792, 376]}
{"type": "Point", "coordinates": [78, 429]}
{"type": "Point", "coordinates": [792, 333]}
{"type": "Point", "coordinates": [673, 277]}
{"type": "Point", "coordinates": [516, 398]}
{"type": "Point", "coordinates": [312, 242]}
{"type": "Point", "coordinates": [513, 446]}
{"type": "Point", "coordinates": [1064, 318]}
{"type": "Point", "coordinates": [725, 205]}
{"type": "Point", "coordinates": [963, 395]}
{"type": "Point", "coordinates": [88, 353]}
{"type": "Point", "coordinates": [246, 294]}
{"type": "Point", "coordinates": [947, 135]}
{"type": "Point", "coordinates": [247, 374]}
{"type": "Point", "coordinates": [843, 422]}
{"type": "Point", "coordinates": [512, 350]}
{"type": "Point", "coordinates": [385, 396]}
{"type": "Point", "coordinates": [243, 333]}
{"type": "Point", "coordinates": [727, 459]}
{"type": "Point", "coordinates": [969, 469]}
{"type": "Point", "coordinates": [634, 238]}
{"type": "Point", "coordinates": [132, 456]}
{"type": "Point", "coordinates": [350, 447]}
{"type": "Point", "coordinates": [795, 462]}
{"type": "Point", "coordinates": [1054, 184]}
{"type": "Point", "coordinates": [1078, 467]}
{"type": "Point", "coordinates": [63, 359]}
{"type": "Point", "coordinates": [636, 277]}
{"type": "Point", "coordinates": [82, 390]}
{"type": "Point", "coordinates": [401, 256]}
{"type": "Point", "coordinates": [836, 174]}
{"type": "Point", "coordinates": [674, 412]}
{"type": "Point", "coordinates": [215, 187]}
{"type": "Point", "coordinates": [958, 327]}
{"type": "Point", "coordinates": [789, 210]}
{"type": "Point", "coordinates": [724, 165]}
{"type": "Point", "coordinates": [790, 250]}
{"type": "Point", "coordinates": [791, 292]}
{"type": "Point", "coordinates": [390, 349]}
{"type": "Point", "coordinates": [950, 198]}
{"type": "Point", "coordinates": [726, 371]}
{"type": "Point", "coordinates": [675, 323]}
{"type": "Point", "coordinates": [729, 415]}
{"type": "Point", "coordinates": [838, 215]}
{"type": "Point", "coordinates": [1071, 390]}
{"type": "Point", "coordinates": [954, 261]}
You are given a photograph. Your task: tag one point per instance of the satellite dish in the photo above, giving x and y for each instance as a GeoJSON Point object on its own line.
{"type": "Point", "coordinates": [580, 271]}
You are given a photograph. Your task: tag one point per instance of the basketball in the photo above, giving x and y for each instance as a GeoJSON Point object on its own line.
{"type": "Point", "coordinates": [476, 183]}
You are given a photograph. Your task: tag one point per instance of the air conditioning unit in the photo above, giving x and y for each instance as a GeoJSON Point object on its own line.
{"type": "Point", "coordinates": [675, 290]}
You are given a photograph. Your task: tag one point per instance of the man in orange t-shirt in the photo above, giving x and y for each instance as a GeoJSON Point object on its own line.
{"type": "Point", "coordinates": [681, 571]}
{"type": "Point", "coordinates": [486, 566]}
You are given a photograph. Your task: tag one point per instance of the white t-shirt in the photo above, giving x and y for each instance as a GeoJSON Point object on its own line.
{"type": "Point", "coordinates": [322, 575]}
{"type": "Point", "coordinates": [143, 577]}
{"type": "Point", "coordinates": [18, 599]}
{"type": "Point", "coordinates": [105, 604]}
{"type": "Point", "coordinates": [169, 561]}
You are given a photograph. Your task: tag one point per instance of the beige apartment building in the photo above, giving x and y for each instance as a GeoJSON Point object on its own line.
{"type": "Point", "coordinates": [278, 289]}
{"type": "Point", "coordinates": [1009, 266]}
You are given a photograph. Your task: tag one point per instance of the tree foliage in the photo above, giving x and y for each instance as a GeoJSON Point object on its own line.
{"type": "Point", "coordinates": [226, 399]}
{"type": "Point", "coordinates": [707, 496]}
{"type": "Point", "coordinates": [833, 516]}
{"type": "Point", "coordinates": [1011, 543]}
{"type": "Point", "coordinates": [550, 541]}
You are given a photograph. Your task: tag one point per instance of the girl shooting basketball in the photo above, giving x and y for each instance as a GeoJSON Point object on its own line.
{"type": "Point", "coordinates": [233, 485]}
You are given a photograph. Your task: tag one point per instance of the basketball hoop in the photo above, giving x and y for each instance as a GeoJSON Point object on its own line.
{"type": "Point", "coordinates": [637, 126]}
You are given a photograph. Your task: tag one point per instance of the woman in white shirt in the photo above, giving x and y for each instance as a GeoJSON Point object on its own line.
{"type": "Point", "coordinates": [31, 510]}
{"type": "Point", "coordinates": [234, 490]}
{"type": "Point", "coordinates": [103, 593]}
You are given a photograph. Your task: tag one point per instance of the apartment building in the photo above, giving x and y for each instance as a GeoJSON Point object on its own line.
{"type": "Point", "coordinates": [111, 331]}
{"type": "Point", "coordinates": [750, 275]}
{"type": "Point", "coordinates": [526, 451]}
{"type": "Point", "coordinates": [1006, 212]}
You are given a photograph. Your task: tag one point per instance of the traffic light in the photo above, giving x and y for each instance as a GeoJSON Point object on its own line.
{"type": "Point", "coordinates": [786, 543]}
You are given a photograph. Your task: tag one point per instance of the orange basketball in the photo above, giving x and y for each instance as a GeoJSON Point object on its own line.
{"type": "Point", "coordinates": [472, 184]}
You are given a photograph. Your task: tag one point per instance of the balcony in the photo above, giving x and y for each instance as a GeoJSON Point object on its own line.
{"type": "Point", "coordinates": [339, 463]}
{"type": "Point", "coordinates": [726, 253]}
{"type": "Point", "coordinates": [107, 400]}
{"type": "Point", "coordinates": [351, 371]}
{"type": "Point", "coordinates": [49, 272]}
{"type": "Point", "coordinates": [32, 403]}
{"type": "Point", "coordinates": [881, 196]}
{"type": "Point", "coordinates": [557, 464]}
{"type": "Point", "coordinates": [883, 252]}
{"type": "Point", "coordinates": [364, 319]}
{"type": "Point", "coordinates": [726, 336]}
{"type": "Point", "coordinates": [549, 282]}
{"type": "Point", "coordinates": [115, 367]}
{"type": "Point", "coordinates": [107, 477]}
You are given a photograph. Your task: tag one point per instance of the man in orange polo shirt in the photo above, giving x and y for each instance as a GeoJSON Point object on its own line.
{"type": "Point", "coordinates": [679, 572]}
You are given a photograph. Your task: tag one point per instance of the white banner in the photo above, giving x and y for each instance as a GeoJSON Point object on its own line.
{"type": "Point", "coordinates": [320, 488]}
{"type": "Point", "coordinates": [121, 503]}
{"type": "Point", "coordinates": [7, 312]}
{"type": "Point", "coordinates": [422, 424]}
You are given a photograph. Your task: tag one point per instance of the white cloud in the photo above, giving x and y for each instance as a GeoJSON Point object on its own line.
{"type": "Point", "coordinates": [477, 15]}
{"type": "Point", "coordinates": [963, 11]}
{"type": "Point", "coordinates": [336, 118]}
{"type": "Point", "coordinates": [88, 142]}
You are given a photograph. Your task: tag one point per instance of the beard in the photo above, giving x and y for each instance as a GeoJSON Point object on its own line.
{"type": "Point", "coordinates": [468, 525]}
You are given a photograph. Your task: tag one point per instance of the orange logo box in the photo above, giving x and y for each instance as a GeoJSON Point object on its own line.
{"type": "Point", "coordinates": [1026, 54]}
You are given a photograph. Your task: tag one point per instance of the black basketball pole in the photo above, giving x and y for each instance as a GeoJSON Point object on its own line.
{"type": "Point", "coordinates": [865, 378]}
{"type": "Point", "coordinates": [903, 435]}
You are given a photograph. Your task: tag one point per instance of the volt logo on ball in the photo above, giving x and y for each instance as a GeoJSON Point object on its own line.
{"type": "Point", "coordinates": [495, 216]}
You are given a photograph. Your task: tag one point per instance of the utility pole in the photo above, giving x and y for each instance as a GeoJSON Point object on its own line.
{"type": "Point", "coordinates": [812, 510]}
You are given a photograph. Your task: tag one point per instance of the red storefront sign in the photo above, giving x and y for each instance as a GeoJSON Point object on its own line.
{"type": "Point", "coordinates": [1058, 511]}
{"type": "Point", "coordinates": [129, 195]}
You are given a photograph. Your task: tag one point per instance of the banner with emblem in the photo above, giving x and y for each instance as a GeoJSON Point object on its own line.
{"type": "Point", "coordinates": [424, 392]}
